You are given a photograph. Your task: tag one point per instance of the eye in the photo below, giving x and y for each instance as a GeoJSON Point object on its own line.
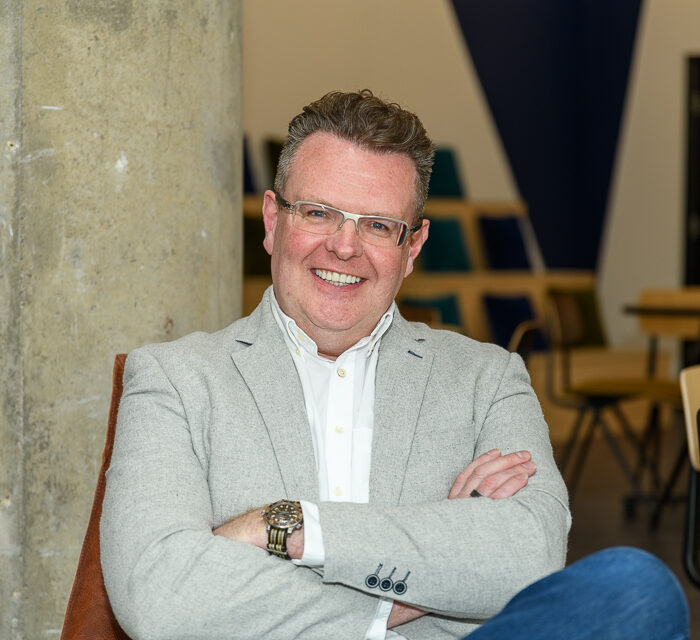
{"type": "Point", "coordinates": [379, 227]}
{"type": "Point", "coordinates": [314, 213]}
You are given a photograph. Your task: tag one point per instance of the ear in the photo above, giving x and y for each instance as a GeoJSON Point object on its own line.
{"type": "Point", "coordinates": [417, 240]}
{"type": "Point", "coordinates": [270, 212]}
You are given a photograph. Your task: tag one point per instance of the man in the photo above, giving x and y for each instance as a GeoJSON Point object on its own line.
{"type": "Point", "coordinates": [322, 468]}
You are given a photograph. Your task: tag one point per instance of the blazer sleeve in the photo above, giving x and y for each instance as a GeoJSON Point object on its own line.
{"type": "Point", "coordinates": [466, 557]}
{"type": "Point", "coordinates": [166, 574]}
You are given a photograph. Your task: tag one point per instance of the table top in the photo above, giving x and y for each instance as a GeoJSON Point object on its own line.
{"type": "Point", "coordinates": [653, 310]}
{"type": "Point", "coordinates": [668, 312]}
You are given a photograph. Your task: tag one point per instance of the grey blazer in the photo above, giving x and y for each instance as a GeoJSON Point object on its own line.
{"type": "Point", "coordinates": [213, 425]}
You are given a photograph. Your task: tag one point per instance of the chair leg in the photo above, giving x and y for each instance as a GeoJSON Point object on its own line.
{"type": "Point", "coordinates": [572, 440]}
{"type": "Point", "coordinates": [635, 477]}
{"type": "Point", "coordinates": [617, 453]}
{"type": "Point", "coordinates": [585, 445]}
{"type": "Point", "coordinates": [627, 430]}
{"type": "Point", "coordinates": [668, 488]}
{"type": "Point", "coordinates": [691, 522]}
{"type": "Point", "coordinates": [650, 438]}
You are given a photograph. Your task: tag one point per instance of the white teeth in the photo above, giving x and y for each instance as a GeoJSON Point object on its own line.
{"type": "Point", "coordinates": [338, 279]}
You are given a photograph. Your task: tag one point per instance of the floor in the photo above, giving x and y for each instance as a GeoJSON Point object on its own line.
{"type": "Point", "coordinates": [599, 518]}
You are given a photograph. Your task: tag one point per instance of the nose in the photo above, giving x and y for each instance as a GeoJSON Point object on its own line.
{"type": "Point", "coordinates": [345, 242]}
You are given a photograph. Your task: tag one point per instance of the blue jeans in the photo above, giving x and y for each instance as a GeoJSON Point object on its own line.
{"type": "Point", "coordinates": [620, 593]}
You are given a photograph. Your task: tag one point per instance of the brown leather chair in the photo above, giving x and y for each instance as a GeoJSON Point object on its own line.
{"type": "Point", "coordinates": [89, 615]}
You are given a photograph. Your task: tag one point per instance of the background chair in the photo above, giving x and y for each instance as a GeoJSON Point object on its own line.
{"type": "Point", "coordinates": [690, 389]}
{"type": "Point", "coordinates": [668, 314]}
{"type": "Point", "coordinates": [570, 327]}
{"type": "Point", "coordinates": [526, 335]}
{"type": "Point", "coordinates": [507, 314]}
{"type": "Point", "coordinates": [88, 614]}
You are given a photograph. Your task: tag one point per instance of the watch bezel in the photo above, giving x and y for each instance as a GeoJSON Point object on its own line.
{"type": "Point", "coordinates": [284, 514]}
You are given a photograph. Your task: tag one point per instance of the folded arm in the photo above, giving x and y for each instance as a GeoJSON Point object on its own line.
{"type": "Point", "coordinates": [491, 475]}
{"type": "Point", "coordinates": [467, 558]}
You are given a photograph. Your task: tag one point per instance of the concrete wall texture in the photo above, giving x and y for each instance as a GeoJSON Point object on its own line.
{"type": "Point", "coordinates": [120, 179]}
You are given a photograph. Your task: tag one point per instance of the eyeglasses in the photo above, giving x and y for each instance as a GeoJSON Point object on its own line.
{"type": "Point", "coordinates": [323, 220]}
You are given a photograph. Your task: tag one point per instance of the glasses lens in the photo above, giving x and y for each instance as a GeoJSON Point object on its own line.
{"type": "Point", "coordinates": [380, 231]}
{"type": "Point", "coordinates": [316, 218]}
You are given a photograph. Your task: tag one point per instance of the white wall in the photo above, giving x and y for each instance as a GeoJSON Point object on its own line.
{"type": "Point", "coordinates": [643, 241]}
{"type": "Point", "coordinates": [410, 51]}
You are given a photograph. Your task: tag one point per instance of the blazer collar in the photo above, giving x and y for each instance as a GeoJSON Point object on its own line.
{"type": "Point", "coordinates": [267, 368]}
{"type": "Point", "coordinates": [403, 370]}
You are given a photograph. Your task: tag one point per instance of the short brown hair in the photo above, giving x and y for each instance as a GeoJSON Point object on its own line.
{"type": "Point", "coordinates": [367, 121]}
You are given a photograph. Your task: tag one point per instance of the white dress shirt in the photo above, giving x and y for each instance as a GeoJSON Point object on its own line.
{"type": "Point", "coordinates": [339, 399]}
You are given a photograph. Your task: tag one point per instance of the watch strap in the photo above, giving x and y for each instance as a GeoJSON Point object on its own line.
{"type": "Point", "coordinates": [277, 542]}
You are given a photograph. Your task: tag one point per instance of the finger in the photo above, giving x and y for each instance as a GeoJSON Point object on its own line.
{"type": "Point", "coordinates": [511, 486]}
{"type": "Point", "coordinates": [483, 466]}
{"type": "Point", "coordinates": [497, 464]}
{"type": "Point", "coordinates": [490, 483]}
{"type": "Point", "coordinates": [464, 475]}
{"type": "Point", "coordinates": [502, 463]}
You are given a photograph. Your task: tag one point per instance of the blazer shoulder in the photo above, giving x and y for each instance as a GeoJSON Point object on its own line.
{"type": "Point", "coordinates": [201, 346]}
{"type": "Point", "coordinates": [454, 353]}
{"type": "Point", "coordinates": [450, 343]}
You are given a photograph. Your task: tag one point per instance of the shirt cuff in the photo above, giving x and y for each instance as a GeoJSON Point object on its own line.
{"type": "Point", "coordinates": [314, 552]}
{"type": "Point", "coordinates": [377, 630]}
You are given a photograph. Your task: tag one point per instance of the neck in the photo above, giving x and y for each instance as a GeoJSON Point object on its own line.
{"type": "Point", "coordinates": [330, 345]}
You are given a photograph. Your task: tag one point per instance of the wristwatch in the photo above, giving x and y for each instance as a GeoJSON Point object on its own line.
{"type": "Point", "coordinates": [281, 517]}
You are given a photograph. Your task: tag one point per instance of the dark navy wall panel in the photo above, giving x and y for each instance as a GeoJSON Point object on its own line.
{"type": "Point", "coordinates": [555, 75]}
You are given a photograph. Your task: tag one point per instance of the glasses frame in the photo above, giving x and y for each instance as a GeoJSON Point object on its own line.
{"type": "Point", "coordinates": [355, 217]}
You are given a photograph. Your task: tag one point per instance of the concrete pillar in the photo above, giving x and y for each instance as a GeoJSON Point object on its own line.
{"type": "Point", "coordinates": [120, 224]}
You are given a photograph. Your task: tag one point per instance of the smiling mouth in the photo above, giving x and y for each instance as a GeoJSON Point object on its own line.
{"type": "Point", "coordinates": [337, 279]}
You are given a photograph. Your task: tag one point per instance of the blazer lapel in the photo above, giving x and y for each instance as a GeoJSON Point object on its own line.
{"type": "Point", "coordinates": [268, 370]}
{"type": "Point", "coordinates": [402, 376]}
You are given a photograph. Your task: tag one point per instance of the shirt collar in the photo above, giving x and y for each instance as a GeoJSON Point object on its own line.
{"type": "Point", "coordinates": [301, 340]}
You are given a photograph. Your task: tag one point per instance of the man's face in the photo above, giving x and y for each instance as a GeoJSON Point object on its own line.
{"type": "Point", "coordinates": [332, 171]}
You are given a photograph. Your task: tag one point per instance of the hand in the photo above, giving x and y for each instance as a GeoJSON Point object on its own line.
{"type": "Point", "coordinates": [494, 475]}
{"type": "Point", "coordinates": [401, 614]}
{"type": "Point", "coordinates": [250, 528]}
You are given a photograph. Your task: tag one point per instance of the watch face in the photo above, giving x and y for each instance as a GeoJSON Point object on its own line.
{"type": "Point", "coordinates": [285, 514]}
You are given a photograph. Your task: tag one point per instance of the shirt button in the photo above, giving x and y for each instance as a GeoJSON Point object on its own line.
{"type": "Point", "coordinates": [298, 352]}
{"type": "Point", "coordinates": [301, 337]}
{"type": "Point", "coordinates": [339, 430]}
{"type": "Point", "coordinates": [337, 492]}
{"type": "Point", "coordinates": [342, 373]}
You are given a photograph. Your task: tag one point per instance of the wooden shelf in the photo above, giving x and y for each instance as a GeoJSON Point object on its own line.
{"type": "Point", "coordinates": [470, 288]}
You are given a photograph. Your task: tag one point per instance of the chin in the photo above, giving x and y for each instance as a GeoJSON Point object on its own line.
{"type": "Point", "coordinates": [334, 324]}
{"type": "Point", "coordinates": [340, 322]}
